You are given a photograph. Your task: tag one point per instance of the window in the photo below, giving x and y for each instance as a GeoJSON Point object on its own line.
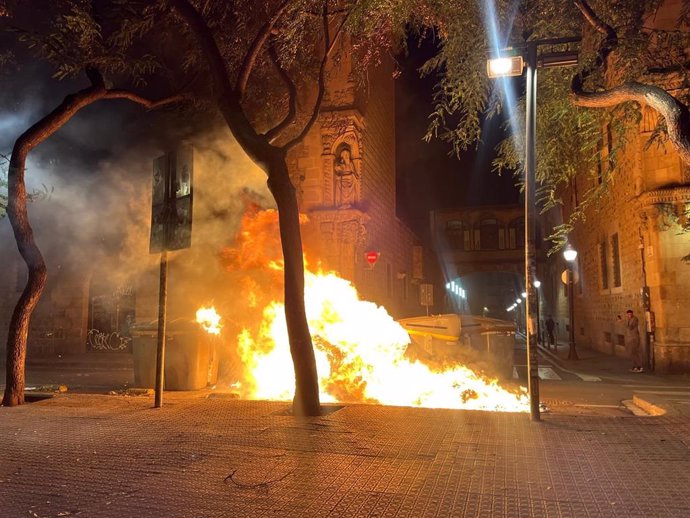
{"type": "Point", "coordinates": [620, 339]}
{"type": "Point", "coordinates": [607, 337]}
{"type": "Point", "coordinates": [455, 234]}
{"type": "Point", "coordinates": [600, 168]}
{"type": "Point", "coordinates": [501, 238]}
{"type": "Point", "coordinates": [603, 266]}
{"type": "Point", "coordinates": [616, 261]}
{"type": "Point", "coordinates": [609, 145]}
{"type": "Point", "coordinates": [517, 233]}
{"type": "Point", "coordinates": [580, 281]}
{"type": "Point", "coordinates": [488, 239]}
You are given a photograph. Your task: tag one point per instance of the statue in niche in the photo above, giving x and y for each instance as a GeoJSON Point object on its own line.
{"type": "Point", "coordinates": [346, 177]}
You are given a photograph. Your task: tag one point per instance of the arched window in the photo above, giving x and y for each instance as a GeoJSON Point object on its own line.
{"type": "Point", "coordinates": [489, 234]}
{"type": "Point", "coordinates": [458, 235]}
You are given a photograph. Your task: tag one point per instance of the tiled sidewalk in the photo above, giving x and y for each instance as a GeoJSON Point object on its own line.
{"type": "Point", "coordinates": [115, 456]}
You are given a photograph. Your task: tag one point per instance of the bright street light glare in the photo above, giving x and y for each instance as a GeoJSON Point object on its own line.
{"type": "Point", "coordinates": [504, 67]}
{"type": "Point", "coordinates": [519, 301]}
{"type": "Point", "coordinates": [524, 294]}
{"type": "Point", "coordinates": [537, 284]}
{"type": "Point", "coordinates": [570, 254]}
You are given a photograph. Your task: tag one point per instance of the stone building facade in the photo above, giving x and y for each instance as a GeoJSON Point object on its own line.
{"type": "Point", "coordinates": [482, 249]}
{"type": "Point", "coordinates": [344, 172]}
{"type": "Point", "coordinates": [631, 243]}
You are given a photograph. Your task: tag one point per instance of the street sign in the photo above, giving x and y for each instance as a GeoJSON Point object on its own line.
{"type": "Point", "coordinates": [171, 229]}
{"type": "Point", "coordinates": [171, 201]}
{"type": "Point", "coordinates": [564, 277]}
{"type": "Point", "coordinates": [372, 257]}
{"type": "Point", "coordinates": [426, 294]}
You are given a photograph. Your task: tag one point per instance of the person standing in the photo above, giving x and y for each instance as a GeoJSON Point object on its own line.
{"type": "Point", "coordinates": [550, 326]}
{"type": "Point", "coordinates": [632, 338]}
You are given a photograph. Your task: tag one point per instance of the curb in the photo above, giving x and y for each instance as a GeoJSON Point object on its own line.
{"type": "Point", "coordinates": [648, 406]}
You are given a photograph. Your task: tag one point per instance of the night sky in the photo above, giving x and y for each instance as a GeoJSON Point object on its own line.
{"type": "Point", "coordinates": [428, 178]}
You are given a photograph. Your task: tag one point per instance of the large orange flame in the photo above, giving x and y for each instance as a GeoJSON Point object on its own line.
{"type": "Point", "coordinates": [209, 320]}
{"type": "Point", "coordinates": [360, 355]}
{"type": "Point", "coordinates": [360, 349]}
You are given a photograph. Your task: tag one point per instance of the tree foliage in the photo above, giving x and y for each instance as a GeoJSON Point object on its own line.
{"type": "Point", "coordinates": [625, 60]}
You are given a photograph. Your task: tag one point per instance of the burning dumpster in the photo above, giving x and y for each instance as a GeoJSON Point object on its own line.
{"type": "Point", "coordinates": [486, 342]}
{"type": "Point", "coordinates": [191, 359]}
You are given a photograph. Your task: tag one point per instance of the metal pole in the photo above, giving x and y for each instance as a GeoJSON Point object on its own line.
{"type": "Point", "coordinates": [649, 363]}
{"type": "Point", "coordinates": [536, 291]}
{"type": "Point", "coordinates": [530, 228]}
{"type": "Point", "coordinates": [572, 352]}
{"type": "Point", "coordinates": [162, 311]}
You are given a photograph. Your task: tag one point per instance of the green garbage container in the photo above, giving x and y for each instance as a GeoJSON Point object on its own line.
{"type": "Point", "coordinates": [190, 355]}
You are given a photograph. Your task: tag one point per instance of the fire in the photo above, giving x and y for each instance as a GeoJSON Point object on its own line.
{"type": "Point", "coordinates": [360, 356]}
{"type": "Point", "coordinates": [361, 351]}
{"type": "Point", "coordinates": [209, 319]}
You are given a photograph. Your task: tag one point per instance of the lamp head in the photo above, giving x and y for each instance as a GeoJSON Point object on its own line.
{"type": "Point", "coordinates": [504, 66]}
{"type": "Point", "coordinates": [570, 254]}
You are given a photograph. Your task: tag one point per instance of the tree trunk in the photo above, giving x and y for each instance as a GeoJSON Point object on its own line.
{"type": "Point", "coordinates": [306, 401]}
{"type": "Point", "coordinates": [19, 325]}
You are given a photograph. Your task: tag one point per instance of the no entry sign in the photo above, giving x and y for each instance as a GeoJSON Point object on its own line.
{"type": "Point", "coordinates": [372, 257]}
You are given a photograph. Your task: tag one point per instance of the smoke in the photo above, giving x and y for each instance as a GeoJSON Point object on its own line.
{"type": "Point", "coordinates": [94, 221]}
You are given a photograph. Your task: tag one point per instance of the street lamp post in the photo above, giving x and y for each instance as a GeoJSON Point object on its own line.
{"type": "Point", "coordinates": [570, 254]}
{"type": "Point", "coordinates": [513, 66]}
{"type": "Point", "coordinates": [537, 285]}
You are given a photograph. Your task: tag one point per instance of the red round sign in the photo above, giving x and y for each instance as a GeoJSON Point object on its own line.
{"type": "Point", "coordinates": [372, 257]}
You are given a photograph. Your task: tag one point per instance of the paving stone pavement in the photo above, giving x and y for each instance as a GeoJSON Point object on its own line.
{"type": "Point", "coordinates": [115, 456]}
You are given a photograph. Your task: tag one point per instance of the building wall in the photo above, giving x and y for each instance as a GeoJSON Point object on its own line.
{"type": "Point", "coordinates": [484, 247]}
{"type": "Point", "coordinates": [59, 322]}
{"type": "Point", "coordinates": [641, 212]}
{"type": "Point", "coordinates": [340, 231]}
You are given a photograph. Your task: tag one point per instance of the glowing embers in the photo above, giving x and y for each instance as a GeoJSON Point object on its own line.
{"type": "Point", "coordinates": [360, 356]}
{"type": "Point", "coordinates": [209, 319]}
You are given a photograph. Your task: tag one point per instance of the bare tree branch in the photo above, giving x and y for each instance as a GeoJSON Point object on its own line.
{"type": "Point", "coordinates": [219, 71]}
{"type": "Point", "coordinates": [671, 109]}
{"type": "Point", "coordinates": [596, 22]}
{"type": "Point", "coordinates": [255, 49]}
{"type": "Point", "coordinates": [273, 133]}
{"type": "Point", "coordinates": [147, 103]}
{"type": "Point", "coordinates": [674, 112]}
{"type": "Point", "coordinates": [321, 82]}
{"type": "Point", "coordinates": [329, 45]}
{"type": "Point", "coordinates": [227, 99]}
